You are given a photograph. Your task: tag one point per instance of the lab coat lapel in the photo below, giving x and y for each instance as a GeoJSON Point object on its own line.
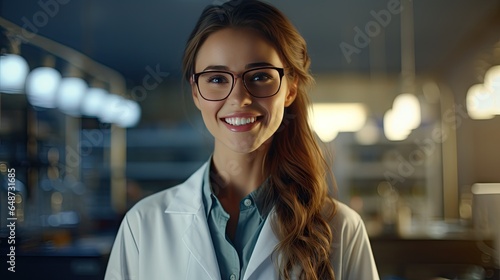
{"type": "Point", "coordinates": [188, 199]}
{"type": "Point", "coordinates": [197, 235]}
{"type": "Point", "coordinates": [264, 247]}
{"type": "Point", "coordinates": [198, 241]}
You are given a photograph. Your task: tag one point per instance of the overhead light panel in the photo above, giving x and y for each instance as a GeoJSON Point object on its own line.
{"type": "Point", "coordinates": [328, 119]}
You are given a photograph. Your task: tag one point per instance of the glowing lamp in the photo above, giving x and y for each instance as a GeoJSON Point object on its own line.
{"type": "Point", "coordinates": [130, 116]}
{"type": "Point", "coordinates": [69, 95]}
{"type": "Point", "coordinates": [13, 72]}
{"type": "Point", "coordinates": [480, 102]}
{"type": "Point", "coordinates": [406, 108]}
{"type": "Point", "coordinates": [93, 102]}
{"type": "Point", "coordinates": [328, 119]}
{"type": "Point", "coordinates": [114, 105]}
{"type": "Point", "coordinates": [394, 128]}
{"type": "Point", "coordinates": [492, 83]}
{"type": "Point", "coordinates": [41, 87]}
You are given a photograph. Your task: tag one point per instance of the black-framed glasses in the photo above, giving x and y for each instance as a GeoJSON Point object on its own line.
{"type": "Point", "coordinates": [261, 82]}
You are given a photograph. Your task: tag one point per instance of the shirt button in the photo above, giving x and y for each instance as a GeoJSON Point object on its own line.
{"type": "Point", "coordinates": [247, 202]}
{"type": "Point", "coordinates": [232, 277]}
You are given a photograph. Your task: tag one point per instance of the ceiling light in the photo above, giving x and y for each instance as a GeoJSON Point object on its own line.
{"type": "Point", "coordinates": [492, 78]}
{"type": "Point", "coordinates": [41, 86]}
{"type": "Point", "coordinates": [114, 105]}
{"type": "Point", "coordinates": [492, 83]}
{"type": "Point", "coordinates": [328, 119]}
{"type": "Point", "coordinates": [69, 95]}
{"type": "Point", "coordinates": [486, 188]}
{"type": "Point", "coordinates": [394, 128]}
{"type": "Point", "coordinates": [480, 102]}
{"type": "Point", "coordinates": [120, 111]}
{"type": "Point", "coordinates": [406, 108]}
{"type": "Point", "coordinates": [131, 115]}
{"type": "Point", "coordinates": [13, 72]}
{"type": "Point", "coordinates": [93, 102]}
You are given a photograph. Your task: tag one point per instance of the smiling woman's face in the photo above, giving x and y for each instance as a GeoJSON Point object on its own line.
{"type": "Point", "coordinates": [240, 123]}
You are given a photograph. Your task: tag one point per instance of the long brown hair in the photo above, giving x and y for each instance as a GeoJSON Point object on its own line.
{"type": "Point", "coordinates": [299, 190]}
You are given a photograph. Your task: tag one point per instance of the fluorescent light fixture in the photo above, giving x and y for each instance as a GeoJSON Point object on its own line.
{"type": "Point", "coordinates": [328, 119]}
{"type": "Point", "coordinates": [41, 87]}
{"type": "Point", "coordinates": [69, 95]}
{"type": "Point", "coordinates": [13, 72]}
{"type": "Point", "coordinates": [486, 188]}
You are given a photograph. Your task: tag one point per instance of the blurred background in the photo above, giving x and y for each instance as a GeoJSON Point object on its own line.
{"type": "Point", "coordinates": [94, 115]}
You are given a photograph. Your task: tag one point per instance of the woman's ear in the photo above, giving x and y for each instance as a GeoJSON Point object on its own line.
{"type": "Point", "coordinates": [292, 93]}
{"type": "Point", "coordinates": [194, 93]}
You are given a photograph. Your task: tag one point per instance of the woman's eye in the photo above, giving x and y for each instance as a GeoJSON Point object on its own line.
{"type": "Point", "coordinates": [261, 77]}
{"type": "Point", "coordinates": [217, 80]}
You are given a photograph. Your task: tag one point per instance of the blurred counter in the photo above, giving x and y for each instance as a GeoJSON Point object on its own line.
{"type": "Point", "coordinates": [452, 252]}
{"type": "Point", "coordinates": [83, 259]}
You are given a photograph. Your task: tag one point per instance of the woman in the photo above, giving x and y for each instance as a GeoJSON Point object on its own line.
{"type": "Point", "coordinates": [259, 208]}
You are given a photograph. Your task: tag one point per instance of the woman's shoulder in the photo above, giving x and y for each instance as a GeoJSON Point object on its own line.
{"type": "Point", "coordinates": [352, 255]}
{"type": "Point", "coordinates": [346, 213]}
{"type": "Point", "coordinates": [156, 202]}
{"type": "Point", "coordinates": [181, 194]}
{"type": "Point", "coordinates": [346, 222]}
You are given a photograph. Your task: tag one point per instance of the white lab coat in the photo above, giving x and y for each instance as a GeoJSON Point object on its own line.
{"type": "Point", "coordinates": [166, 236]}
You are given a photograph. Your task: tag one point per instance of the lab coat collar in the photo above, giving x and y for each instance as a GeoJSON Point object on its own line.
{"type": "Point", "coordinates": [188, 198]}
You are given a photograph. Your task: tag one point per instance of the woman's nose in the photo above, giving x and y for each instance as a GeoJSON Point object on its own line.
{"type": "Point", "coordinates": [239, 95]}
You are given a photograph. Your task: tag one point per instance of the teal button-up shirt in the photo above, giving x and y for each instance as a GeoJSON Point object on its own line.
{"type": "Point", "coordinates": [233, 257]}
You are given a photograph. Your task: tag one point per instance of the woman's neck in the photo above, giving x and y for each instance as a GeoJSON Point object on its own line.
{"type": "Point", "coordinates": [237, 174]}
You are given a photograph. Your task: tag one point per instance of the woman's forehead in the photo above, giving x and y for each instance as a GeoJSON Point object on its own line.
{"type": "Point", "coordinates": [236, 49]}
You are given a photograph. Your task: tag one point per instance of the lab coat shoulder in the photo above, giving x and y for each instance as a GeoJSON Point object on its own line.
{"type": "Point", "coordinates": [149, 214]}
{"type": "Point", "coordinates": [352, 256]}
{"type": "Point", "coordinates": [153, 237]}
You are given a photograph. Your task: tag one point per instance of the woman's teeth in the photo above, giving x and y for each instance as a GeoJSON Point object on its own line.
{"type": "Point", "coordinates": [240, 121]}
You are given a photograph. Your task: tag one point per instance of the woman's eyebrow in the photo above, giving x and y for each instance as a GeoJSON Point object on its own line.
{"type": "Point", "coordinates": [248, 66]}
{"type": "Point", "coordinates": [216, 67]}
{"type": "Point", "coordinates": [258, 64]}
